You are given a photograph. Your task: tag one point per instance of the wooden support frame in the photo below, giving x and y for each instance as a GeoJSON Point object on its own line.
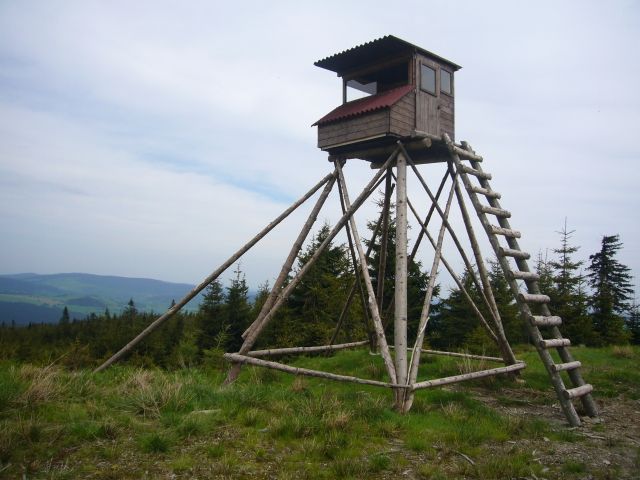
{"type": "Point", "coordinates": [402, 369]}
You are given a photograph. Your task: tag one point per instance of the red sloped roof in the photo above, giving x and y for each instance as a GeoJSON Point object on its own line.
{"type": "Point", "coordinates": [366, 104]}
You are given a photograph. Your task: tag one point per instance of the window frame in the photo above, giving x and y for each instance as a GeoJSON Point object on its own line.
{"type": "Point", "coordinates": [435, 79]}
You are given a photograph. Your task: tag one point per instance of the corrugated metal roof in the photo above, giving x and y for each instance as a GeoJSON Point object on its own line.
{"type": "Point", "coordinates": [366, 104]}
{"type": "Point", "coordinates": [387, 46]}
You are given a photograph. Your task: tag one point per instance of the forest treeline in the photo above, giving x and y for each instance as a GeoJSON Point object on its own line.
{"type": "Point", "coordinates": [594, 298]}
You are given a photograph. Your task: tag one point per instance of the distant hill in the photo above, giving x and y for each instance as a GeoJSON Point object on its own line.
{"type": "Point", "coordinates": [29, 297]}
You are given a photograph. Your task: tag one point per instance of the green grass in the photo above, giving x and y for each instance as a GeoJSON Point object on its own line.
{"type": "Point", "coordinates": [130, 422]}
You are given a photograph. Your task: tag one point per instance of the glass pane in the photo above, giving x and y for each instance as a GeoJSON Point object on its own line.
{"type": "Point", "coordinates": [428, 79]}
{"type": "Point", "coordinates": [445, 81]}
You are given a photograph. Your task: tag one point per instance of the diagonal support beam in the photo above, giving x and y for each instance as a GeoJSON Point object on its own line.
{"type": "Point", "coordinates": [455, 277]}
{"type": "Point", "coordinates": [373, 307]}
{"type": "Point", "coordinates": [501, 340]}
{"type": "Point", "coordinates": [358, 278]}
{"type": "Point", "coordinates": [286, 291]}
{"type": "Point", "coordinates": [451, 231]}
{"type": "Point", "coordinates": [293, 254]}
{"type": "Point", "coordinates": [230, 261]}
{"type": "Point", "coordinates": [354, 285]}
{"type": "Point", "coordinates": [424, 316]}
{"type": "Point", "coordinates": [432, 209]}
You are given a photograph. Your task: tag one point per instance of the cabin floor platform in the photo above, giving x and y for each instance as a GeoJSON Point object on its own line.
{"type": "Point", "coordinates": [421, 147]}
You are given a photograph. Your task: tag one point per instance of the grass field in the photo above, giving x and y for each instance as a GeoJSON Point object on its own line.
{"type": "Point", "coordinates": [134, 423]}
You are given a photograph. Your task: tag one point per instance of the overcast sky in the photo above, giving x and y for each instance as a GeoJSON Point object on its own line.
{"type": "Point", "coordinates": [153, 138]}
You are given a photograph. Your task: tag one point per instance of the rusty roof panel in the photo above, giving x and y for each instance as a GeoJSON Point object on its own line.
{"type": "Point", "coordinates": [366, 105]}
{"type": "Point", "coordinates": [370, 52]}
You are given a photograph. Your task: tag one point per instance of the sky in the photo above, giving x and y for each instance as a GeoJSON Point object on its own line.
{"type": "Point", "coordinates": [154, 138]}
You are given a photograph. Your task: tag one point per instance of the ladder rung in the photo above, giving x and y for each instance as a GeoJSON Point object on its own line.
{"type": "Point", "coordinates": [508, 252]}
{"type": "Point", "coordinates": [462, 153]}
{"type": "Point", "coordinates": [477, 173]}
{"type": "Point", "coordinates": [498, 212]}
{"type": "Point", "coordinates": [578, 391]}
{"type": "Point", "coordinates": [485, 191]}
{"type": "Point", "coordinates": [504, 231]}
{"type": "Point", "coordinates": [555, 343]}
{"type": "Point", "coordinates": [528, 276]}
{"type": "Point", "coordinates": [560, 367]}
{"type": "Point", "coordinates": [540, 321]}
{"type": "Point", "coordinates": [533, 298]}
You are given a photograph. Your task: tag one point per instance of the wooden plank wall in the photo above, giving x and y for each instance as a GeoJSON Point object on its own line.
{"type": "Point", "coordinates": [402, 114]}
{"type": "Point", "coordinates": [351, 129]}
{"type": "Point", "coordinates": [434, 113]}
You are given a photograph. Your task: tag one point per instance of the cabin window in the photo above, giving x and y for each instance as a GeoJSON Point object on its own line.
{"type": "Point", "coordinates": [445, 82]}
{"type": "Point", "coordinates": [356, 89]}
{"type": "Point", "coordinates": [428, 79]}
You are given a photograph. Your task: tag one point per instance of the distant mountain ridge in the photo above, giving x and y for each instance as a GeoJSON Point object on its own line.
{"type": "Point", "coordinates": [35, 298]}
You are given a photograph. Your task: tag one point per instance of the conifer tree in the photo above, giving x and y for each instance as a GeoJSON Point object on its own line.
{"type": "Point", "coordinates": [633, 323]}
{"type": "Point", "coordinates": [315, 304]}
{"type": "Point", "coordinates": [545, 281]}
{"type": "Point", "coordinates": [567, 297]}
{"type": "Point", "coordinates": [237, 310]}
{"type": "Point", "coordinates": [130, 310]}
{"type": "Point", "coordinates": [417, 280]}
{"type": "Point", "coordinates": [64, 319]}
{"type": "Point", "coordinates": [611, 284]}
{"type": "Point", "coordinates": [514, 328]}
{"type": "Point", "coordinates": [455, 321]}
{"type": "Point", "coordinates": [211, 317]}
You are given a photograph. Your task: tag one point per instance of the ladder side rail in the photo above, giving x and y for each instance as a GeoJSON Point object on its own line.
{"type": "Point", "coordinates": [547, 360]}
{"type": "Point", "coordinates": [532, 286]}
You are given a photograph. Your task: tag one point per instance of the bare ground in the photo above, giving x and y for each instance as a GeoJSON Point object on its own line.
{"type": "Point", "coordinates": [611, 442]}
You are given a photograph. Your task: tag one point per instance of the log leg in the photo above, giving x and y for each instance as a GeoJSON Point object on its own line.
{"type": "Point", "coordinates": [501, 339]}
{"type": "Point", "coordinates": [352, 292]}
{"type": "Point", "coordinates": [384, 240]}
{"type": "Point", "coordinates": [373, 306]}
{"type": "Point", "coordinates": [370, 334]}
{"type": "Point", "coordinates": [453, 274]}
{"type": "Point", "coordinates": [293, 254]}
{"type": "Point", "coordinates": [424, 315]}
{"type": "Point", "coordinates": [452, 232]}
{"type": "Point", "coordinates": [230, 261]}
{"type": "Point", "coordinates": [400, 310]}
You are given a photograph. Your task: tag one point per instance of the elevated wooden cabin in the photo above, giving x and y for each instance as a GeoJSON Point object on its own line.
{"type": "Point", "coordinates": [408, 94]}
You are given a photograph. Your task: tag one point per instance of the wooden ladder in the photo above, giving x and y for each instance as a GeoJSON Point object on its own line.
{"type": "Point", "coordinates": [533, 296]}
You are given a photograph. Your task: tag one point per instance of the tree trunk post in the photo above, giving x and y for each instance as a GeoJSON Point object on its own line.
{"type": "Point", "coordinates": [382, 264]}
{"type": "Point", "coordinates": [400, 313]}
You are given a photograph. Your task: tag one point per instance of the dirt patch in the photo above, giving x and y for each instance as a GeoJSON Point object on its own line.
{"type": "Point", "coordinates": [607, 446]}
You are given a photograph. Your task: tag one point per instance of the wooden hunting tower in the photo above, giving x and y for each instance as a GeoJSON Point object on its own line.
{"type": "Point", "coordinates": [409, 91]}
{"type": "Point", "coordinates": [405, 119]}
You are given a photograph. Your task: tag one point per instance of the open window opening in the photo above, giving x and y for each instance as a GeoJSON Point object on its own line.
{"type": "Point", "coordinates": [377, 81]}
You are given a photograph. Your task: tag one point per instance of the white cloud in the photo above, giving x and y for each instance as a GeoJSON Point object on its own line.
{"type": "Point", "coordinates": [154, 138]}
